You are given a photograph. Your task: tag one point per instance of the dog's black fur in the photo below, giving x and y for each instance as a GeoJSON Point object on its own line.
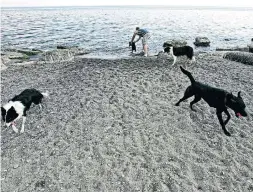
{"type": "Point", "coordinates": [217, 98]}
{"type": "Point", "coordinates": [133, 46]}
{"type": "Point", "coordinates": [180, 51]}
{"type": "Point", "coordinates": [29, 96]}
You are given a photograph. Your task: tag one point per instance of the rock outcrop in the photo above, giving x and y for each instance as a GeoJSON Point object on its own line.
{"type": "Point", "coordinates": [62, 54]}
{"type": "Point", "coordinates": [251, 46]}
{"type": "Point", "coordinates": [12, 56]}
{"type": "Point", "coordinates": [242, 57]}
{"type": "Point", "coordinates": [28, 56]}
{"type": "Point", "coordinates": [16, 55]}
{"type": "Point", "coordinates": [29, 52]}
{"type": "Point", "coordinates": [202, 41]}
{"type": "Point", "coordinates": [237, 48]}
{"type": "Point", "coordinates": [63, 47]}
{"type": "Point", "coordinates": [175, 43]}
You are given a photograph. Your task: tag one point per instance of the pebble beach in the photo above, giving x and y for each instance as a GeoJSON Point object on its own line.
{"type": "Point", "coordinates": [112, 125]}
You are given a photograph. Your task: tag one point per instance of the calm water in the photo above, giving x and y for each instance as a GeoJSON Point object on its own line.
{"type": "Point", "coordinates": [106, 31]}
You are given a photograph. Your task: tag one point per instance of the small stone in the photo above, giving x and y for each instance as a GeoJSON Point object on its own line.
{"type": "Point", "coordinates": [15, 166]}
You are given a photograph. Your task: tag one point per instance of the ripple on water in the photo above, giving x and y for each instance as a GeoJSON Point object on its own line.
{"type": "Point", "coordinates": [112, 27]}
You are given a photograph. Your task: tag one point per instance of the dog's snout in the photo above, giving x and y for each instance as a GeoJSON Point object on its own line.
{"type": "Point", "coordinates": [244, 114]}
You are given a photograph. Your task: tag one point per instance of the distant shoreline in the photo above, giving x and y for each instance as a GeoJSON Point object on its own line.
{"type": "Point", "coordinates": [173, 7]}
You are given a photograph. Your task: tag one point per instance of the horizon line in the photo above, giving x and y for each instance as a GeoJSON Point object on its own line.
{"type": "Point", "coordinates": [175, 6]}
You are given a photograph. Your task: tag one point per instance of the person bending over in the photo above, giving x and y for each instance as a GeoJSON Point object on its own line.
{"type": "Point", "coordinates": [144, 34]}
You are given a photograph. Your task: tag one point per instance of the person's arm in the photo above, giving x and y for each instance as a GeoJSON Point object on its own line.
{"type": "Point", "coordinates": [138, 39]}
{"type": "Point", "coordinates": [133, 36]}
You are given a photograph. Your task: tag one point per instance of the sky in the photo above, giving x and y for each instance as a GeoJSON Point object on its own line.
{"type": "Point", "coordinates": [28, 3]}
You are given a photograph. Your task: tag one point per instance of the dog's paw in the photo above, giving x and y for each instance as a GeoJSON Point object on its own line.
{"type": "Point", "coordinates": [177, 104]}
{"type": "Point", "coordinates": [14, 128]}
{"type": "Point", "coordinates": [227, 133]}
{"type": "Point", "coordinates": [22, 130]}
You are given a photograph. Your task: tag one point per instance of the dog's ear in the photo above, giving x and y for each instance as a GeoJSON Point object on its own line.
{"type": "Point", "coordinates": [239, 94]}
{"type": "Point", "coordinates": [12, 113]}
{"type": "Point", "coordinates": [230, 96]}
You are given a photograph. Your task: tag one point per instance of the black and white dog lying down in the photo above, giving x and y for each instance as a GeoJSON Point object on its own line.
{"type": "Point", "coordinates": [19, 105]}
{"type": "Point", "coordinates": [216, 98]}
{"type": "Point", "coordinates": [179, 51]}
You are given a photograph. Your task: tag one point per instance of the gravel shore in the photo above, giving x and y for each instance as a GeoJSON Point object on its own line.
{"type": "Point", "coordinates": [111, 125]}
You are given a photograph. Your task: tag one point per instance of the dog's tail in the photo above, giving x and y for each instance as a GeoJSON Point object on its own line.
{"type": "Point", "coordinates": [46, 94]}
{"type": "Point", "coordinates": [188, 74]}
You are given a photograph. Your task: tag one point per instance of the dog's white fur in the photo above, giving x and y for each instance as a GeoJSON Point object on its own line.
{"type": "Point", "coordinates": [175, 57]}
{"type": "Point", "coordinates": [46, 94]}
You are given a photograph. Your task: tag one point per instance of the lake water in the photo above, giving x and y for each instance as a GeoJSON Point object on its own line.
{"type": "Point", "coordinates": [106, 31]}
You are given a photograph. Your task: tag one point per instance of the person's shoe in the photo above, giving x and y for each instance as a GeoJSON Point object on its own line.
{"type": "Point", "coordinates": [145, 55]}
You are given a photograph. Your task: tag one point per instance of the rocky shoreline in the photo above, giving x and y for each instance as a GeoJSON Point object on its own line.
{"type": "Point", "coordinates": [35, 56]}
{"type": "Point", "coordinates": [63, 53]}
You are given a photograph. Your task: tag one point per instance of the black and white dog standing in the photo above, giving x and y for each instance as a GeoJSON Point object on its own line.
{"type": "Point", "coordinates": [19, 105]}
{"type": "Point", "coordinates": [179, 51]}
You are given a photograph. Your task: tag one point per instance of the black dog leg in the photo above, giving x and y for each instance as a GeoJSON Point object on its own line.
{"type": "Point", "coordinates": [228, 118]}
{"type": "Point", "coordinates": [196, 99]}
{"type": "Point", "coordinates": [219, 115]}
{"type": "Point", "coordinates": [188, 93]}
